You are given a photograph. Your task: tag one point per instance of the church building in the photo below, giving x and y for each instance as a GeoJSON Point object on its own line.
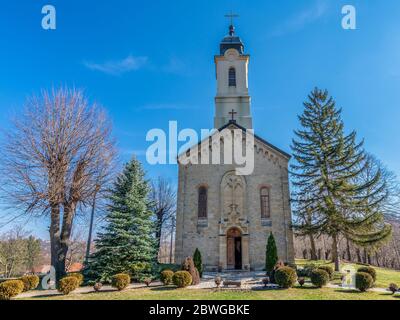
{"type": "Point", "coordinates": [229, 217]}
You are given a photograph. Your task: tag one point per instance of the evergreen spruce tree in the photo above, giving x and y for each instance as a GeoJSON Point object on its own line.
{"type": "Point", "coordinates": [333, 194]}
{"type": "Point", "coordinates": [271, 257]}
{"type": "Point", "coordinates": [128, 236]}
{"type": "Point", "coordinates": [198, 262]}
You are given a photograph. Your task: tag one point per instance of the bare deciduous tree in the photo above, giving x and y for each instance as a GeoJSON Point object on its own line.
{"type": "Point", "coordinates": [163, 196]}
{"type": "Point", "coordinates": [58, 150]}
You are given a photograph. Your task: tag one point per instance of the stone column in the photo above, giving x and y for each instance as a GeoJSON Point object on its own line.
{"type": "Point", "coordinates": [245, 252]}
{"type": "Point", "coordinates": [222, 252]}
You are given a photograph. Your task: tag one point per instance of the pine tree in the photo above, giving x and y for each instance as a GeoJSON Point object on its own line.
{"type": "Point", "coordinates": [198, 262]}
{"type": "Point", "coordinates": [128, 236]}
{"type": "Point", "coordinates": [331, 188]}
{"type": "Point", "coordinates": [271, 256]}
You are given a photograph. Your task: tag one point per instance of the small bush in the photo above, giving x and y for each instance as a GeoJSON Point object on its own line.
{"type": "Point", "coordinates": [182, 279]}
{"type": "Point", "coordinates": [140, 270]}
{"type": "Point", "coordinates": [285, 277]}
{"type": "Point", "coordinates": [78, 276]}
{"type": "Point", "coordinates": [319, 277]}
{"type": "Point", "coordinates": [329, 270]}
{"type": "Point", "coordinates": [97, 286]}
{"type": "Point", "coordinates": [301, 281]}
{"type": "Point", "coordinates": [68, 284]}
{"type": "Point", "coordinates": [393, 288]}
{"type": "Point", "coordinates": [31, 282]}
{"type": "Point", "coordinates": [306, 270]}
{"type": "Point", "coordinates": [120, 281]}
{"type": "Point", "coordinates": [369, 270]}
{"type": "Point", "coordinates": [147, 281]}
{"type": "Point", "coordinates": [188, 265]}
{"type": "Point", "coordinates": [218, 281]}
{"type": "Point", "coordinates": [10, 289]}
{"type": "Point", "coordinates": [271, 274]}
{"type": "Point", "coordinates": [198, 262]}
{"type": "Point", "coordinates": [166, 277]}
{"type": "Point", "coordinates": [169, 266]}
{"type": "Point", "coordinates": [364, 281]}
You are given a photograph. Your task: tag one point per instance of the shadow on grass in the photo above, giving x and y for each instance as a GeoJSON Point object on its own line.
{"type": "Point", "coordinates": [44, 296]}
{"type": "Point", "coordinates": [170, 288]}
{"type": "Point", "coordinates": [306, 288]}
{"type": "Point", "coordinates": [350, 291]}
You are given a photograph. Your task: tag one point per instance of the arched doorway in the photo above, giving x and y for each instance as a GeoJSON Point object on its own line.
{"type": "Point", "coordinates": [234, 249]}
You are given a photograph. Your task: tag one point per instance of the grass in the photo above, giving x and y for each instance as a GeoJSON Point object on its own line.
{"type": "Point", "coordinates": [383, 276]}
{"type": "Point", "coordinates": [171, 293]}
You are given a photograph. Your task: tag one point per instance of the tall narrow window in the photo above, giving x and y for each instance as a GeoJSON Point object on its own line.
{"type": "Point", "coordinates": [232, 77]}
{"type": "Point", "coordinates": [202, 209]}
{"type": "Point", "coordinates": [265, 206]}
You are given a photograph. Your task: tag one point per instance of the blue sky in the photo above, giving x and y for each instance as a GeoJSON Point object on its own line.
{"type": "Point", "coordinates": [149, 62]}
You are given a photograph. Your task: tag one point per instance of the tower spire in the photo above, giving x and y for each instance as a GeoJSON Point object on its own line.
{"type": "Point", "coordinates": [231, 16]}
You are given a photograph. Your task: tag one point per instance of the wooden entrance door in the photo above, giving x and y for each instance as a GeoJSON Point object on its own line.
{"type": "Point", "coordinates": [234, 249]}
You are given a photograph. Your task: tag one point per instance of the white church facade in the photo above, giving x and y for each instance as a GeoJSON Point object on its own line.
{"type": "Point", "coordinates": [229, 217]}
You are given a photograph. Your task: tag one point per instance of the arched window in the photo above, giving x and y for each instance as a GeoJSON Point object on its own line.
{"type": "Point", "coordinates": [232, 77]}
{"type": "Point", "coordinates": [265, 205]}
{"type": "Point", "coordinates": [202, 209]}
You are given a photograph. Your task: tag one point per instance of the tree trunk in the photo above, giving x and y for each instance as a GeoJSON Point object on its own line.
{"type": "Point", "coordinates": [349, 257]}
{"type": "Point", "coordinates": [171, 244]}
{"type": "Point", "coordinates": [358, 253]}
{"type": "Point", "coordinates": [313, 251]}
{"type": "Point", "coordinates": [335, 253]}
{"type": "Point", "coordinates": [57, 261]}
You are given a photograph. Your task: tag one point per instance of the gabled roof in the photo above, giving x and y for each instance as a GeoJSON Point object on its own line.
{"type": "Point", "coordinates": [234, 123]}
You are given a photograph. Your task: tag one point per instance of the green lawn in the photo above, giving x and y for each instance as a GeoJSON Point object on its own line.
{"type": "Point", "coordinates": [170, 293]}
{"type": "Point", "coordinates": [383, 279]}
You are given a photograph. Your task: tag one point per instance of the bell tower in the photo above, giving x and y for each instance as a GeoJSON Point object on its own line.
{"type": "Point", "coordinates": [232, 102]}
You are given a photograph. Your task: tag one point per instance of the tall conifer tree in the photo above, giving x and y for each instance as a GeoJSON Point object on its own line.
{"type": "Point", "coordinates": [128, 236]}
{"type": "Point", "coordinates": [333, 194]}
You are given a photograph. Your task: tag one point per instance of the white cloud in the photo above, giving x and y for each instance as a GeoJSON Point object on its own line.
{"type": "Point", "coordinates": [301, 19]}
{"type": "Point", "coordinates": [118, 67]}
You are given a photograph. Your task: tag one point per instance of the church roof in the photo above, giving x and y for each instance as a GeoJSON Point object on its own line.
{"type": "Point", "coordinates": [234, 123]}
{"type": "Point", "coordinates": [231, 41]}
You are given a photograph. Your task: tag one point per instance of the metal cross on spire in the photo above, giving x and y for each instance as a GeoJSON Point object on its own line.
{"type": "Point", "coordinates": [232, 16]}
{"type": "Point", "coordinates": [233, 113]}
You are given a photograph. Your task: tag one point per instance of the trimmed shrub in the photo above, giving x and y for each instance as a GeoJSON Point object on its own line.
{"type": "Point", "coordinates": [271, 274]}
{"type": "Point", "coordinates": [364, 281]}
{"type": "Point", "coordinates": [78, 276]}
{"type": "Point", "coordinates": [393, 288]}
{"type": "Point", "coordinates": [147, 281]}
{"type": "Point", "coordinates": [97, 286]}
{"type": "Point", "coordinates": [31, 282]}
{"type": "Point", "coordinates": [329, 270]}
{"type": "Point", "coordinates": [67, 285]}
{"type": "Point", "coordinates": [140, 270]}
{"type": "Point", "coordinates": [271, 254]}
{"type": "Point", "coordinates": [182, 279]}
{"type": "Point", "coordinates": [306, 270]}
{"type": "Point", "coordinates": [198, 262]}
{"type": "Point", "coordinates": [166, 277]}
{"type": "Point", "coordinates": [285, 277]}
{"type": "Point", "coordinates": [10, 289]}
{"type": "Point", "coordinates": [169, 266]}
{"type": "Point", "coordinates": [369, 270]}
{"type": "Point", "coordinates": [188, 265]}
{"type": "Point", "coordinates": [218, 281]}
{"type": "Point", "coordinates": [319, 277]}
{"type": "Point", "coordinates": [120, 281]}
